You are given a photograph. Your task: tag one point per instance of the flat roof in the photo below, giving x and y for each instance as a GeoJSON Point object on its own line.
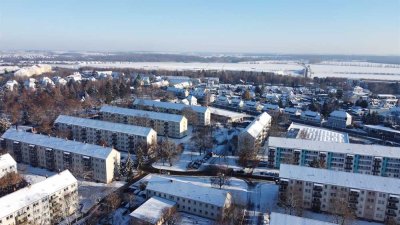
{"type": "Point", "coordinates": [339, 178]}
{"type": "Point", "coordinates": [104, 125]}
{"type": "Point", "coordinates": [80, 148]}
{"type": "Point", "coordinates": [169, 105]}
{"type": "Point", "coordinates": [188, 190]}
{"type": "Point", "coordinates": [142, 113]}
{"type": "Point", "coordinates": [152, 210]}
{"type": "Point", "coordinates": [35, 192]}
{"type": "Point", "coordinates": [316, 133]}
{"type": "Point", "coordinates": [226, 113]}
{"type": "Point", "coordinates": [344, 148]}
{"type": "Point", "coordinates": [285, 219]}
{"type": "Point", "coordinates": [378, 127]}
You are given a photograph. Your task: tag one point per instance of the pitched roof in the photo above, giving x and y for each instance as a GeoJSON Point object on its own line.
{"type": "Point", "coordinates": [28, 195]}
{"type": "Point", "coordinates": [339, 178]}
{"type": "Point", "coordinates": [142, 113]}
{"type": "Point", "coordinates": [104, 125]}
{"type": "Point", "coordinates": [80, 148]}
{"type": "Point", "coordinates": [169, 105]}
{"type": "Point", "coordinates": [152, 210]}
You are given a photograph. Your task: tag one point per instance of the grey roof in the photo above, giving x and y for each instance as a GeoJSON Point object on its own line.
{"type": "Point", "coordinates": [339, 178]}
{"type": "Point", "coordinates": [142, 113]}
{"type": "Point", "coordinates": [316, 133]}
{"type": "Point", "coordinates": [169, 105]}
{"type": "Point", "coordinates": [91, 150]}
{"type": "Point", "coordinates": [104, 125]}
{"type": "Point", "coordinates": [345, 148]}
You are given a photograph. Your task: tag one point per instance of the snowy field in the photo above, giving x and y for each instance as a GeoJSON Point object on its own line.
{"type": "Point", "coordinates": [354, 70]}
{"type": "Point", "coordinates": [89, 192]}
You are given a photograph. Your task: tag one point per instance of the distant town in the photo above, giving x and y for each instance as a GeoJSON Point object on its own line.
{"type": "Point", "coordinates": [174, 139]}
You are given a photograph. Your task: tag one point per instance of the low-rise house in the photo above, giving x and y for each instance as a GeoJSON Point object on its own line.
{"type": "Point", "coordinates": [152, 212]}
{"type": "Point", "coordinates": [312, 117]}
{"type": "Point", "coordinates": [30, 84]}
{"type": "Point", "coordinates": [292, 112]}
{"type": "Point", "coordinates": [195, 199]}
{"type": "Point", "coordinates": [7, 165]}
{"type": "Point", "coordinates": [226, 116]}
{"type": "Point", "coordinates": [339, 119]}
{"type": "Point", "coordinates": [179, 92]}
{"type": "Point", "coordinates": [11, 84]}
{"type": "Point", "coordinates": [47, 202]}
{"type": "Point", "coordinates": [386, 133]}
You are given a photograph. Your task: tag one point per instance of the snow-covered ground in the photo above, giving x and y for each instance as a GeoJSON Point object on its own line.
{"type": "Point", "coordinates": [189, 219]}
{"type": "Point", "coordinates": [89, 192]}
{"type": "Point", "coordinates": [354, 70]}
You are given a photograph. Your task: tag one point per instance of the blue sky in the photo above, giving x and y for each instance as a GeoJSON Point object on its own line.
{"type": "Point", "coordinates": [258, 26]}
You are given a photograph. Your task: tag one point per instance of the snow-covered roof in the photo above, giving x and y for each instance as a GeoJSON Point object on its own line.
{"type": "Point", "coordinates": [152, 210]}
{"type": "Point", "coordinates": [339, 178]}
{"type": "Point", "coordinates": [317, 133]}
{"type": "Point", "coordinates": [104, 125]}
{"type": "Point", "coordinates": [28, 195]}
{"type": "Point", "coordinates": [188, 190]}
{"type": "Point", "coordinates": [258, 124]}
{"type": "Point", "coordinates": [226, 113]}
{"type": "Point", "coordinates": [6, 161]}
{"type": "Point", "coordinates": [141, 113]}
{"type": "Point", "coordinates": [286, 219]}
{"type": "Point", "coordinates": [309, 113]}
{"type": "Point", "coordinates": [345, 148]}
{"type": "Point", "coordinates": [378, 127]}
{"type": "Point", "coordinates": [169, 105]}
{"type": "Point", "coordinates": [80, 148]}
{"type": "Point", "coordinates": [340, 114]}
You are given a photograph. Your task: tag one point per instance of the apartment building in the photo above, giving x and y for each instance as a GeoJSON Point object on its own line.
{"type": "Point", "coordinates": [46, 202]}
{"type": "Point", "coordinates": [195, 199]}
{"type": "Point", "coordinates": [255, 133]}
{"type": "Point", "coordinates": [368, 197]}
{"type": "Point", "coordinates": [339, 119]}
{"type": "Point", "coordinates": [165, 124]}
{"type": "Point", "coordinates": [122, 137]}
{"type": "Point", "coordinates": [7, 165]}
{"type": "Point", "coordinates": [356, 158]}
{"type": "Point", "coordinates": [56, 154]}
{"type": "Point", "coordinates": [203, 113]}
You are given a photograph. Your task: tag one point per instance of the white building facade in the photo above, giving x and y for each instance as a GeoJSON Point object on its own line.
{"type": "Point", "coordinates": [165, 124]}
{"type": "Point", "coordinates": [7, 165]}
{"type": "Point", "coordinates": [369, 197]}
{"type": "Point", "coordinates": [46, 202]}
{"type": "Point", "coordinates": [83, 160]}
{"type": "Point", "coordinates": [122, 137]}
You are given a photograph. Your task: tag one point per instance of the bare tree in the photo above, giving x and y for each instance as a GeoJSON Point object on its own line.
{"type": "Point", "coordinates": [171, 216]}
{"type": "Point", "coordinates": [248, 152]}
{"type": "Point", "coordinates": [203, 139]}
{"type": "Point", "coordinates": [167, 151]}
{"type": "Point", "coordinates": [191, 116]}
{"type": "Point", "coordinates": [342, 213]}
{"type": "Point", "coordinates": [292, 203]}
{"type": "Point", "coordinates": [232, 215]}
{"type": "Point", "coordinates": [317, 163]}
{"type": "Point", "coordinates": [221, 178]}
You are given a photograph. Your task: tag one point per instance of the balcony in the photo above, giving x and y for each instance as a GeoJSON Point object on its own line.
{"type": "Point", "coordinates": [317, 194]}
{"type": "Point", "coordinates": [393, 199]}
{"type": "Point", "coordinates": [392, 206]}
{"type": "Point", "coordinates": [391, 213]}
{"type": "Point", "coordinates": [317, 188]}
{"type": "Point", "coordinates": [353, 199]}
